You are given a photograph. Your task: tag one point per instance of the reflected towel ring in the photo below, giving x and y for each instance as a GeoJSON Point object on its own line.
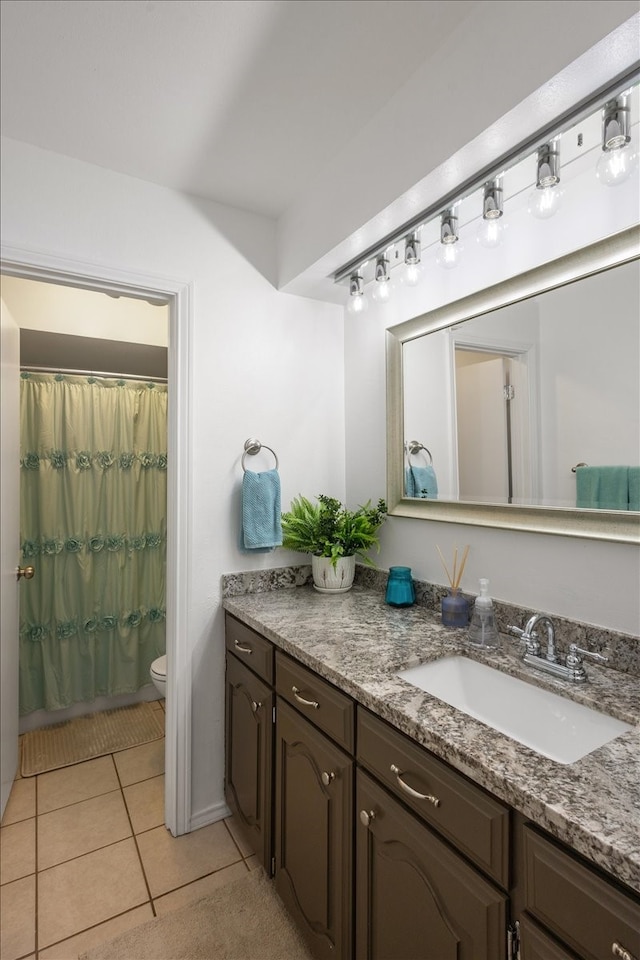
{"type": "Point", "coordinates": [414, 446]}
{"type": "Point", "coordinates": [252, 446]}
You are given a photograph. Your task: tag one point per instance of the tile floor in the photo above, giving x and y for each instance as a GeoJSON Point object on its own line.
{"type": "Point", "coordinates": [85, 855]}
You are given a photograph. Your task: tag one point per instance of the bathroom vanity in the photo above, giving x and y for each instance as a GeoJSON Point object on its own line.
{"type": "Point", "coordinates": [393, 824]}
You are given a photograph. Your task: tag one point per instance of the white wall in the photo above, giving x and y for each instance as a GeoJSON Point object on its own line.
{"type": "Point", "coordinates": [265, 364]}
{"type": "Point", "coordinates": [582, 579]}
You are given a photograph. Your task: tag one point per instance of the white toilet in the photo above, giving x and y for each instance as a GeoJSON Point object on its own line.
{"type": "Point", "coordinates": [158, 673]}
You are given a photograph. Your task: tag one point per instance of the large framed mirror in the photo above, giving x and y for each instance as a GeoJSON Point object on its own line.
{"type": "Point", "coordinates": [519, 406]}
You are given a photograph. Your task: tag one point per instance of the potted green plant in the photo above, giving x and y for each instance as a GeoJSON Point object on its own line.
{"type": "Point", "coordinates": [334, 536]}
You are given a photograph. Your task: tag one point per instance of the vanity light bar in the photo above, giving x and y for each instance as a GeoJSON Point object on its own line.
{"type": "Point", "coordinates": [610, 93]}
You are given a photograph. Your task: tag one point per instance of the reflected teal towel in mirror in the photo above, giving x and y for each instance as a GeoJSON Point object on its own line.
{"type": "Point", "coordinates": [634, 488]}
{"type": "Point", "coordinates": [261, 524]}
{"type": "Point", "coordinates": [421, 482]}
{"type": "Point", "coordinates": [602, 488]}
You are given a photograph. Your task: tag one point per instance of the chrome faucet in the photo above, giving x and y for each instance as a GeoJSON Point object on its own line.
{"type": "Point", "coordinates": [572, 669]}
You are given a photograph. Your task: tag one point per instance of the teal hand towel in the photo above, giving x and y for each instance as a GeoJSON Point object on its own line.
{"type": "Point", "coordinates": [424, 483]}
{"type": "Point", "coordinates": [261, 515]}
{"type": "Point", "coordinates": [409, 485]}
{"type": "Point", "coordinates": [634, 488]}
{"type": "Point", "coordinates": [602, 488]}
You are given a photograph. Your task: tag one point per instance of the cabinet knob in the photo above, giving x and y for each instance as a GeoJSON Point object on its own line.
{"type": "Point", "coordinates": [366, 817]}
{"type": "Point", "coordinates": [327, 777]}
{"type": "Point", "coordinates": [617, 950]}
{"type": "Point", "coordinates": [255, 705]}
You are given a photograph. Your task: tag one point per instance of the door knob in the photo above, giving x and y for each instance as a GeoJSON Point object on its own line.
{"type": "Point", "coordinates": [27, 572]}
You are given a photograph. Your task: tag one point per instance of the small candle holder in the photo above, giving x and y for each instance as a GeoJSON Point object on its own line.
{"type": "Point", "coordinates": [400, 589]}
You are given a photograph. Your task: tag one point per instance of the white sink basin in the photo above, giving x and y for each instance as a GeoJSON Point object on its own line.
{"type": "Point", "coordinates": [551, 725]}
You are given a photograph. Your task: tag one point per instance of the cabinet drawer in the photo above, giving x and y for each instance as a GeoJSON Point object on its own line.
{"type": "Point", "coordinates": [535, 944]}
{"type": "Point", "coordinates": [250, 647]}
{"type": "Point", "coordinates": [319, 701]}
{"type": "Point", "coordinates": [476, 823]}
{"type": "Point", "coordinates": [584, 909]}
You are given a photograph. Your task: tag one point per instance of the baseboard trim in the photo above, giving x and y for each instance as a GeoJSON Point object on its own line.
{"type": "Point", "coordinates": [211, 814]}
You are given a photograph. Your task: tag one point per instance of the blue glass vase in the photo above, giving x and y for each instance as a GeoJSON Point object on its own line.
{"type": "Point", "coordinates": [400, 589]}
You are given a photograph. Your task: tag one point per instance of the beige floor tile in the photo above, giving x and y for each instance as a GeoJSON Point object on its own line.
{"type": "Point", "coordinates": [140, 763]}
{"type": "Point", "coordinates": [252, 862]}
{"type": "Point", "coordinates": [80, 828]}
{"type": "Point", "coordinates": [170, 862]}
{"type": "Point", "coordinates": [199, 888]}
{"type": "Point", "coordinates": [17, 850]}
{"type": "Point", "coordinates": [18, 918]}
{"type": "Point", "coordinates": [74, 946]}
{"type": "Point", "coordinates": [58, 788]}
{"type": "Point", "coordinates": [22, 801]}
{"type": "Point", "coordinates": [243, 846]}
{"type": "Point", "coordinates": [145, 803]}
{"type": "Point", "coordinates": [81, 893]}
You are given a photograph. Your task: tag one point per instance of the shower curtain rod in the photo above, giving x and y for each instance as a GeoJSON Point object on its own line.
{"type": "Point", "coordinates": [92, 373]}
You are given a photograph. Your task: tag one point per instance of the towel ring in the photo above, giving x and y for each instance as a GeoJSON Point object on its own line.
{"type": "Point", "coordinates": [414, 446]}
{"type": "Point", "coordinates": [581, 464]}
{"type": "Point", "coordinates": [252, 446]}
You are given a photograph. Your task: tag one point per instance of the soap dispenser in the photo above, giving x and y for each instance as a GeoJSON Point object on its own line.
{"type": "Point", "coordinates": [482, 630]}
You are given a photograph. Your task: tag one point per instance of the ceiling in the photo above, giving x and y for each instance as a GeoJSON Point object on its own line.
{"type": "Point", "coordinates": [238, 101]}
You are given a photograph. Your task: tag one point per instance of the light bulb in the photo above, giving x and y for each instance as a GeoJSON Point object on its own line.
{"type": "Point", "coordinates": [544, 202]}
{"type": "Point", "coordinates": [412, 274]}
{"type": "Point", "coordinates": [616, 166]}
{"type": "Point", "coordinates": [381, 291]}
{"type": "Point", "coordinates": [357, 304]}
{"type": "Point", "coordinates": [448, 255]}
{"type": "Point", "coordinates": [491, 232]}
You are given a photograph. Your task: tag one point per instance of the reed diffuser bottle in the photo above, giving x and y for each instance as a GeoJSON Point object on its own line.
{"type": "Point", "coordinates": [455, 607]}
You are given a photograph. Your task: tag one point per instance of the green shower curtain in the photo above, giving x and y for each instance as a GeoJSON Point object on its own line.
{"type": "Point", "coordinates": [93, 523]}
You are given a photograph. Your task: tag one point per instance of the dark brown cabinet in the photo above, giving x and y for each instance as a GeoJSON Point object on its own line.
{"type": "Point", "coordinates": [405, 859]}
{"type": "Point", "coordinates": [586, 911]}
{"type": "Point", "coordinates": [415, 897]}
{"type": "Point", "coordinates": [313, 831]}
{"type": "Point", "coordinates": [249, 702]}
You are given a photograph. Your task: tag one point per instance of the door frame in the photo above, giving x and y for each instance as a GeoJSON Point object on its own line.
{"type": "Point", "coordinates": [28, 264]}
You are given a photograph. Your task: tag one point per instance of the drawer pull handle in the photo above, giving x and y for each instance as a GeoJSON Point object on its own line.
{"type": "Point", "coordinates": [618, 951]}
{"type": "Point", "coordinates": [241, 648]}
{"type": "Point", "coordinates": [307, 703]}
{"type": "Point", "coordinates": [413, 793]}
{"type": "Point", "coordinates": [255, 705]}
{"type": "Point", "coordinates": [327, 777]}
{"type": "Point", "coordinates": [366, 817]}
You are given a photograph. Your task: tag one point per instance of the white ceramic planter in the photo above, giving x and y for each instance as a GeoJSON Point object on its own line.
{"type": "Point", "coordinates": [327, 579]}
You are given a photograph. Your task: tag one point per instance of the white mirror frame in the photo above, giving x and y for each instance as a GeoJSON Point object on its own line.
{"type": "Point", "coordinates": [614, 525]}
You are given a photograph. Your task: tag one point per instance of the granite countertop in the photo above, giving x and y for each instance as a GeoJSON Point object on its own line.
{"type": "Point", "coordinates": [358, 642]}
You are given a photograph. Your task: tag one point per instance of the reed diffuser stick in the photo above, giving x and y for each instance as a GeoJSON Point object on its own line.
{"type": "Point", "coordinates": [456, 577]}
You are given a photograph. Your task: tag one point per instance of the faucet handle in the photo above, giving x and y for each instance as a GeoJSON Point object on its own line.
{"type": "Point", "coordinates": [574, 657]}
{"type": "Point", "coordinates": [531, 639]}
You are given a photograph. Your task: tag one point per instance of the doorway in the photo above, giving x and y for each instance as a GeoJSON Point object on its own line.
{"type": "Point", "coordinates": [177, 296]}
{"type": "Point", "coordinates": [493, 423]}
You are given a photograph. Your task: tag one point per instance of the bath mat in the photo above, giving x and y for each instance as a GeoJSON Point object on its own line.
{"type": "Point", "coordinates": [85, 738]}
{"type": "Point", "coordinates": [244, 920]}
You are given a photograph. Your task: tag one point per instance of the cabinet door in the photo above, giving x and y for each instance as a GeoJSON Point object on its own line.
{"type": "Point", "coordinates": [415, 897]}
{"type": "Point", "coordinates": [313, 831]}
{"type": "Point", "coordinates": [249, 756]}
